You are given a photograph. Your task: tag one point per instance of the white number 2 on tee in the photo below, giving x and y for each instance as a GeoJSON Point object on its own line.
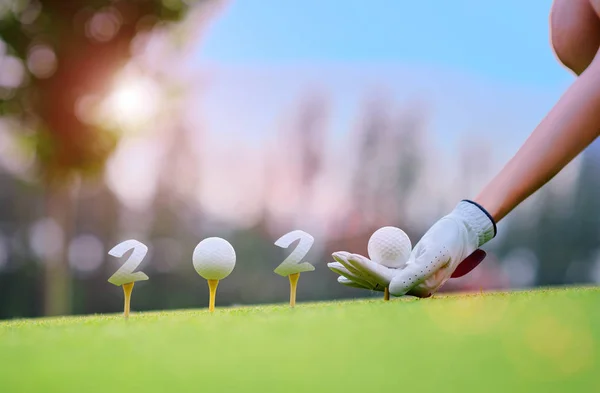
{"type": "Point", "coordinates": [292, 264]}
{"type": "Point", "coordinates": [125, 273]}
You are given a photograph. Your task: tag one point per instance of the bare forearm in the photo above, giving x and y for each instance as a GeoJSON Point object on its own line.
{"type": "Point", "coordinates": [570, 127]}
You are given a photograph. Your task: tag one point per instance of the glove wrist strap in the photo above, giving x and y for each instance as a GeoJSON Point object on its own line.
{"type": "Point", "coordinates": [480, 221]}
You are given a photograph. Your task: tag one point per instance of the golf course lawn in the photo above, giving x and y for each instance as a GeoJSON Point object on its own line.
{"type": "Point", "coordinates": [544, 340]}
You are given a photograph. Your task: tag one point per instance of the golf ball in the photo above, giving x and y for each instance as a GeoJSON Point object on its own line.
{"type": "Point", "coordinates": [389, 246]}
{"type": "Point", "coordinates": [214, 258]}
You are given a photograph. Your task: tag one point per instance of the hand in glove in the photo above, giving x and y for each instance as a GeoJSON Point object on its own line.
{"type": "Point", "coordinates": [448, 249]}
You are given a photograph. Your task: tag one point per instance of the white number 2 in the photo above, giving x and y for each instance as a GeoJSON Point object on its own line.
{"type": "Point", "coordinates": [292, 264]}
{"type": "Point", "coordinates": [125, 273]}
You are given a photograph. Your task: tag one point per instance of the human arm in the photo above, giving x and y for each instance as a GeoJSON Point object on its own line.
{"type": "Point", "coordinates": [571, 125]}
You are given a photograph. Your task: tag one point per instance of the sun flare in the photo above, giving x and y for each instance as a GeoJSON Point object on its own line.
{"type": "Point", "coordinates": [133, 103]}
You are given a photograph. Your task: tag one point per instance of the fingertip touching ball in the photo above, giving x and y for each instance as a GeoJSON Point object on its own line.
{"type": "Point", "coordinates": [214, 258]}
{"type": "Point", "coordinates": [389, 246]}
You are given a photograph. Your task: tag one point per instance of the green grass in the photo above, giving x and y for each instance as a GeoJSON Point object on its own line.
{"type": "Point", "coordinates": [544, 340]}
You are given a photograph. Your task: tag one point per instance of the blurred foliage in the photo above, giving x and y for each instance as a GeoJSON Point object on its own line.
{"type": "Point", "coordinates": [59, 58]}
{"type": "Point", "coordinates": [69, 50]}
{"type": "Point", "coordinates": [84, 43]}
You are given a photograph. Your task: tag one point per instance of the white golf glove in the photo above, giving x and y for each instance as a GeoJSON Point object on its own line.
{"type": "Point", "coordinates": [448, 249]}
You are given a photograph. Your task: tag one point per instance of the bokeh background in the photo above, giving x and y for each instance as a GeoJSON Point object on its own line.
{"type": "Point", "coordinates": [169, 121]}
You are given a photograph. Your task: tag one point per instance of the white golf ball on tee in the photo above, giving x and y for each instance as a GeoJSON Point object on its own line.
{"type": "Point", "coordinates": [214, 258]}
{"type": "Point", "coordinates": [389, 246]}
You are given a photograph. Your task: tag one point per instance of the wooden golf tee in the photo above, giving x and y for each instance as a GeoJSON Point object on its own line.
{"type": "Point", "coordinates": [127, 289]}
{"type": "Point", "coordinates": [212, 286]}
{"type": "Point", "coordinates": [386, 294]}
{"type": "Point", "coordinates": [293, 285]}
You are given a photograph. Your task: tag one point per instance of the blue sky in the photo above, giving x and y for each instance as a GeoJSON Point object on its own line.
{"type": "Point", "coordinates": [503, 40]}
{"type": "Point", "coordinates": [481, 67]}
{"type": "Point", "coordinates": [482, 71]}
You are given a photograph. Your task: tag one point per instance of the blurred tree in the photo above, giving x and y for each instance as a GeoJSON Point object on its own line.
{"type": "Point", "coordinates": [390, 162]}
{"type": "Point", "coordinates": [372, 136]}
{"type": "Point", "coordinates": [564, 229]}
{"type": "Point", "coordinates": [579, 231]}
{"type": "Point", "coordinates": [311, 132]}
{"type": "Point", "coordinates": [473, 177]}
{"type": "Point", "coordinates": [54, 54]}
{"type": "Point", "coordinates": [309, 135]}
{"type": "Point", "coordinates": [409, 155]}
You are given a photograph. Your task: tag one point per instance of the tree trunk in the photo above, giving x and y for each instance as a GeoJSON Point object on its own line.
{"type": "Point", "coordinates": [57, 280]}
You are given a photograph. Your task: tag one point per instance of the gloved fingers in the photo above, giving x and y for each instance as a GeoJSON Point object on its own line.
{"type": "Point", "coordinates": [469, 263]}
{"type": "Point", "coordinates": [351, 283]}
{"type": "Point", "coordinates": [338, 268]}
{"type": "Point", "coordinates": [342, 257]}
{"type": "Point", "coordinates": [372, 271]}
{"type": "Point", "coordinates": [419, 291]}
{"type": "Point", "coordinates": [341, 254]}
{"type": "Point", "coordinates": [426, 263]}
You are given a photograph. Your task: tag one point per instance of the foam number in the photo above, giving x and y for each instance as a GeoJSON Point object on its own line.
{"type": "Point", "coordinates": [292, 264]}
{"type": "Point", "coordinates": [126, 274]}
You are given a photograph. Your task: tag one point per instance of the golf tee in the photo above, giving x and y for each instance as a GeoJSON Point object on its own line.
{"type": "Point", "coordinates": [127, 289]}
{"type": "Point", "coordinates": [212, 286]}
{"type": "Point", "coordinates": [293, 285]}
{"type": "Point", "coordinates": [386, 294]}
